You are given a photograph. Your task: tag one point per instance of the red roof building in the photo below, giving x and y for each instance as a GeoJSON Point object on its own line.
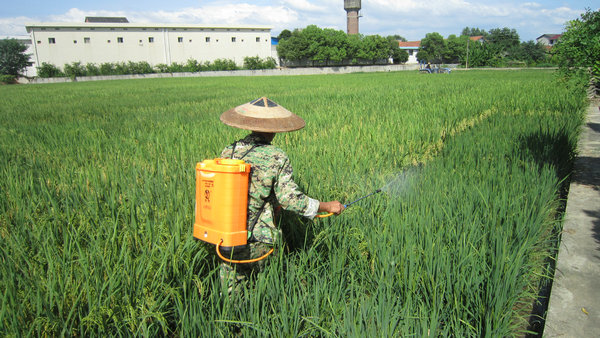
{"type": "Point", "coordinates": [411, 47]}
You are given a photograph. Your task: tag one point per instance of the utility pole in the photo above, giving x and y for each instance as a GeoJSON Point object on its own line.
{"type": "Point", "coordinates": [467, 63]}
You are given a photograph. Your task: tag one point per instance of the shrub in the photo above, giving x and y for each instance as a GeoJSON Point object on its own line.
{"type": "Point", "coordinates": [74, 69]}
{"type": "Point", "coordinates": [161, 68]}
{"type": "Point", "coordinates": [48, 70]}
{"type": "Point", "coordinates": [224, 64]}
{"type": "Point", "coordinates": [107, 68]}
{"type": "Point", "coordinates": [175, 68]}
{"type": "Point", "coordinates": [192, 66]}
{"type": "Point", "coordinates": [255, 62]}
{"type": "Point", "coordinates": [92, 69]}
{"type": "Point", "coordinates": [8, 79]}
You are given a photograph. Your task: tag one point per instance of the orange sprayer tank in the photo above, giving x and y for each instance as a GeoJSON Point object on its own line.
{"type": "Point", "coordinates": [222, 201]}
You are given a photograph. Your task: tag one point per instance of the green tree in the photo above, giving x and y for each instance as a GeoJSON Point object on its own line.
{"type": "Point", "coordinates": [503, 39]}
{"type": "Point", "coordinates": [578, 49]}
{"type": "Point", "coordinates": [456, 48]}
{"type": "Point", "coordinates": [481, 55]}
{"type": "Point", "coordinates": [13, 59]}
{"type": "Point", "coordinates": [398, 55]}
{"type": "Point", "coordinates": [285, 34]}
{"type": "Point", "coordinates": [328, 45]}
{"type": "Point", "coordinates": [433, 47]}
{"type": "Point", "coordinates": [332, 45]}
{"type": "Point", "coordinates": [467, 31]}
{"type": "Point", "coordinates": [531, 52]}
{"type": "Point", "coordinates": [397, 37]}
{"type": "Point", "coordinates": [294, 48]}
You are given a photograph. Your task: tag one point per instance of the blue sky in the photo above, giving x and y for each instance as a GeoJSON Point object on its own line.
{"type": "Point", "coordinates": [411, 19]}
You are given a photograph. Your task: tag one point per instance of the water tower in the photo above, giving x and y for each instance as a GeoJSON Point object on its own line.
{"type": "Point", "coordinates": [352, 7]}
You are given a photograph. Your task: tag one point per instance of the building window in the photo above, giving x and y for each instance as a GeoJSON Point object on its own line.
{"type": "Point", "coordinates": [151, 39]}
{"type": "Point", "coordinates": [120, 40]}
{"type": "Point", "coordinates": [208, 39]}
{"type": "Point", "coordinates": [258, 39]}
{"type": "Point", "coordinates": [39, 42]}
{"type": "Point", "coordinates": [190, 40]}
{"type": "Point", "coordinates": [233, 39]}
{"type": "Point", "coordinates": [51, 41]}
{"type": "Point", "coordinates": [107, 41]}
{"type": "Point", "coordinates": [86, 40]}
{"type": "Point", "coordinates": [180, 39]}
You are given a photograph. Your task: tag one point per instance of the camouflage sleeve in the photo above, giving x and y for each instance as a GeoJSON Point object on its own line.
{"type": "Point", "coordinates": [289, 195]}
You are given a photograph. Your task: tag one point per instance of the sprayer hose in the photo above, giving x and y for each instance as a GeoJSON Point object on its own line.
{"type": "Point", "coordinates": [242, 261]}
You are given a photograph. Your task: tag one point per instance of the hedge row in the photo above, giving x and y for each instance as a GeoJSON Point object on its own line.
{"type": "Point", "coordinates": [76, 69]}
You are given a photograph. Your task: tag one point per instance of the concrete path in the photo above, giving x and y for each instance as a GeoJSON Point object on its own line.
{"type": "Point", "coordinates": [574, 308]}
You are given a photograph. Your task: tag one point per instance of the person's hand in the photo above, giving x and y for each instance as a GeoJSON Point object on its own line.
{"type": "Point", "coordinates": [333, 206]}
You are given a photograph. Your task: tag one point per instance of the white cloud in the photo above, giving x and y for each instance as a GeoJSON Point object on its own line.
{"type": "Point", "coordinates": [12, 27]}
{"type": "Point", "coordinates": [228, 14]}
{"type": "Point", "coordinates": [304, 5]}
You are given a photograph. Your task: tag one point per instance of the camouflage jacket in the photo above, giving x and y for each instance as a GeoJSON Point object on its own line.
{"type": "Point", "coordinates": [270, 184]}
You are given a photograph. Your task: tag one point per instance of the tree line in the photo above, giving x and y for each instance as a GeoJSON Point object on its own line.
{"type": "Point", "coordinates": [498, 47]}
{"type": "Point", "coordinates": [314, 46]}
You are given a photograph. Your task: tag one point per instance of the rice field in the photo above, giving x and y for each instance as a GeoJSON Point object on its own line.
{"type": "Point", "coordinates": [97, 205]}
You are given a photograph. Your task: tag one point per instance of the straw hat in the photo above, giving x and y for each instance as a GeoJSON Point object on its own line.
{"type": "Point", "coordinates": [262, 115]}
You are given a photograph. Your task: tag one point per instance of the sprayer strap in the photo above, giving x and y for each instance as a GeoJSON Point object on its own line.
{"type": "Point", "coordinates": [251, 227]}
{"type": "Point", "coordinates": [246, 153]}
{"type": "Point", "coordinates": [253, 224]}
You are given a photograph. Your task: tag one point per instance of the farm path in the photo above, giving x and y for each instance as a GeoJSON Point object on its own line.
{"type": "Point", "coordinates": [574, 309]}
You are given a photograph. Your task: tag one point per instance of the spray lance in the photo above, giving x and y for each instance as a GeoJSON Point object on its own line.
{"type": "Point", "coordinates": [349, 204]}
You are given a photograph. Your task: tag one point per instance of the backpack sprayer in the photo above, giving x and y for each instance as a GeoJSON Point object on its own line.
{"type": "Point", "coordinates": [221, 208]}
{"type": "Point", "coordinates": [221, 205]}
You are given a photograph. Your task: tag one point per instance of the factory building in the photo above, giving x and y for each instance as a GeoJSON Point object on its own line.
{"type": "Point", "coordinates": [101, 40]}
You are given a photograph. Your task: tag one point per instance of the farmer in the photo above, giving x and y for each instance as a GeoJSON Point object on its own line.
{"type": "Point", "coordinates": [270, 185]}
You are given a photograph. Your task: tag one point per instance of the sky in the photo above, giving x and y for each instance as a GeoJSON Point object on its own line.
{"type": "Point", "coordinates": [411, 19]}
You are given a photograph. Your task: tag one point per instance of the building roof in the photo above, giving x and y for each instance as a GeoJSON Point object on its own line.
{"type": "Point", "coordinates": [549, 36]}
{"type": "Point", "coordinates": [106, 19]}
{"type": "Point", "coordinates": [409, 44]}
{"type": "Point", "coordinates": [31, 26]}
{"type": "Point", "coordinates": [476, 38]}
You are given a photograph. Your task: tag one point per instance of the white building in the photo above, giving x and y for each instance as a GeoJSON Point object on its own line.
{"type": "Point", "coordinates": [548, 39]}
{"type": "Point", "coordinates": [100, 42]}
{"type": "Point", "coordinates": [412, 48]}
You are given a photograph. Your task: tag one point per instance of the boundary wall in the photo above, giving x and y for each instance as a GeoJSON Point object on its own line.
{"type": "Point", "coordinates": [262, 72]}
